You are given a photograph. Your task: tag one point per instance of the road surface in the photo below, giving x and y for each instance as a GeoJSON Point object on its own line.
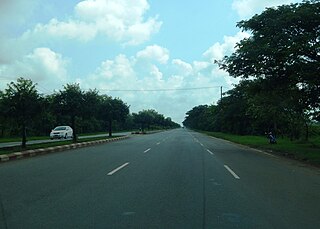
{"type": "Point", "coordinates": [173, 179]}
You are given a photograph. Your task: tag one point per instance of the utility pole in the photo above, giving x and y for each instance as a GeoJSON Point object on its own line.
{"type": "Point", "coordinates": [221, 92]}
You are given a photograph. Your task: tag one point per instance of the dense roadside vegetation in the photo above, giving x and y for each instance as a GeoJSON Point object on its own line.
{"type": "Point", "coordinates": [24, 112]}
{"type": "Point", "coordinates": [279, 89]}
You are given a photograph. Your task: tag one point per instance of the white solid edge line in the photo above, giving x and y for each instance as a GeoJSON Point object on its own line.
{"type": "Point", "coordinates": [117, 169]}
{"type": "Point", "coordinates": [233, 173]}
{"type": "Point", "coordinates": [210, 152]}
{"type": "Point", "coordinates": [147, 150]}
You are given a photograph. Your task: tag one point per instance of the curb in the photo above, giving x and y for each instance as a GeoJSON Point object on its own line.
{"type": "Point", "coordinates": [35, 152]}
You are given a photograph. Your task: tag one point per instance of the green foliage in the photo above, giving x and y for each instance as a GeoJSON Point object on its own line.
{"type": "Point", "coordinates": [151, 119]}
{"type": "Point", "coordinates": [21, 107]}
{"type": "Point", "coordinates": [279, 67]}
{"type": "Point", "coordinates": [301, 150]}
{"type": "Point", "coordinates": [113, 109]}
{"type": "Point", "coordinates": [69, 102]}
{"type": "Point", "coordinates": [21, 104]}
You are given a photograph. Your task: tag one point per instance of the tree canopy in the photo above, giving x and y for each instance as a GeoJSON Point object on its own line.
{"type": "Point", "coordinates": [147, 119]}
{"type": "Point", "coordinates": [283, 53]}
{"type": "Point", "coordinates": [23, 109]}
{"type": "Point", "coordinates": [20, 103]}
{"type": "Point", "coordinates": [279, 70]}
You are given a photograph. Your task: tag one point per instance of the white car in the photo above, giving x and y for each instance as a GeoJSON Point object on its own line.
{"type": "Point", "coordinates": [61, 132]}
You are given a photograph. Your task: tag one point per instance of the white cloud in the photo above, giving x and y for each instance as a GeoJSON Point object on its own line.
{"type": "Point", "coordinates": [113, 74]}
{"type": "Point", "coordinates": [217, 51]}
{"type": "Point", "coordinates": [71, 29]}
{"type": "Point", "coordinates": [183, 67]}
{"type": "Point", "coordinates": [154, 53]}
{"type": "Point", "coordinates": [200, 65]}
{"type": "Point", "coordinates": [247, 8]}
{"type": "Point", "coordinates": [155, 72]}
{"type": "Point", "coordinates": [120, 20]}
{"type": "Point", "coordinates": [42, 66]}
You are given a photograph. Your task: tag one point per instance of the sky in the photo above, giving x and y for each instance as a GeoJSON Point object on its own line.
{"type": "Point", "coordinates": [153, 54]}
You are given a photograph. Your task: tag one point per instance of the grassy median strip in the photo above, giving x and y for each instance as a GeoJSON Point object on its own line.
{"type": "Point", "coordinates": [308, 151]}
{"type": "Point", "coordinates": [13, 149]}
{"type": "Point", "coordinates": [18, 139]}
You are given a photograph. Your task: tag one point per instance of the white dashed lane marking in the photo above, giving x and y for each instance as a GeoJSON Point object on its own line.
{"type": "Point", "coordinates": [210, 152]}
{"type": "Point", "coordinates": [117, 169]}
{"type": "Point", "coordinates": [232, 173]}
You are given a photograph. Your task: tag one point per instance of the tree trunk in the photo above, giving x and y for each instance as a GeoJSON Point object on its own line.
{"type": "Point", "coordinates": [307, 131]}
{"type": "Point", "coordinates": [110, 128]}
{"type": "Point", "coordinates": [24, 136]}
{"type": "Point", "coordinates": [73, 126]}
{"type": "Point", "coordinates": [2, 131]}
{"type": "Point", "coordinates": [275, 129]}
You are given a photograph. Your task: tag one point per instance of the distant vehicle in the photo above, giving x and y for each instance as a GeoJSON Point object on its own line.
{"type": "Point", "coordinates": [61, 132]}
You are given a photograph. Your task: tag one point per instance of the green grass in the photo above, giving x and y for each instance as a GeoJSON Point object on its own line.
{"type": "Point", "coordinates": [18, 139]}
{"type": "Point", "coordinates": [14, 149]}
{"type": "Point", "coordinates": [301, 150]}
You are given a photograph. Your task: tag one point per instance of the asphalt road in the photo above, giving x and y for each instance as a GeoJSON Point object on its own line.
{"type": "Point", "coordinates": [173, 179]}
{"type": "Point", "coordinates": [10, 144]}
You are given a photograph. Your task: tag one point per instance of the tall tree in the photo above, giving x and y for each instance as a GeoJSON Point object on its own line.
{"type": "Point", "coordinates": [70, 102]}
{"type": "Point", "coordinates": [21, 104]}
{"type": "Point", "coordinates": [284, 53]}
{"type": "Point", "coordinates": [2, 115]}
{"type": "Point", "coordinates": [196, 118]}
{"type": "Point", "coordinates": [113, 109]}
{"type": "Point", "coordinates": [144, 118]}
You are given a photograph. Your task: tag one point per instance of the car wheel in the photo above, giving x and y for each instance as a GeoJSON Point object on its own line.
{"type": "Point", "coordinates": [65, 137]}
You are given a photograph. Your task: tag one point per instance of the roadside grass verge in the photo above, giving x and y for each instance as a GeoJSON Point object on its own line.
{"type": "Point", "coordinates": [13, 149]}
{"type": "Point", "coordinates": [31, 138]}
{"type": "Point", "coordinates": [18, 139]}
{"type": "Point", "coordinates": [308, 151]}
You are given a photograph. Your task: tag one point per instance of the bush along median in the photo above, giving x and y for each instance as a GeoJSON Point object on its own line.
{"type": "Point", "coordinates": [12, 153]}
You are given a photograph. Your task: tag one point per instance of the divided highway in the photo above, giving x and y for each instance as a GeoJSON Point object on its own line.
{"type": "Point", "coordinates": [173, 179]}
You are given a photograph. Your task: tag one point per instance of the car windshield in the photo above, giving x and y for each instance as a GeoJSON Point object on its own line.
{"type": "Point", "coordinates": [60, 128]}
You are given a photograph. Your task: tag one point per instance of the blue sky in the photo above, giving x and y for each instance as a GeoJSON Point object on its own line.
{"type": "Point", "coordinates": [115, 45]}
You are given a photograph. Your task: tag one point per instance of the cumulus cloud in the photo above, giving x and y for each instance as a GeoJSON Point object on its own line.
{"type": "Point", "coordinates": [71, 29]}
{"type": "Point", "coordinates": [247, 8]}
{"type": "Point", "coordinates": [217, 51]}
{"type": "Point", "coordinates": [118, 76]}
{"type": "Point", "coordinates": [122, 21]}
{"type": "Point", "coordinates": [154, 53]}
{"type": "Point", "coordinates": [183, 67]}
{"type": "Point", "coordinates": [43, 66]}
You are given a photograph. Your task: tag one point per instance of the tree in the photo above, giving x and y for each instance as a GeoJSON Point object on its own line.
{"type": "Point", "coordinates": [197, 118]}
{"type": "Point", "coordinates": [283, 52]}
{"type": "Point", "coordinates": [113, 109]}
{"type": "Point", "coordinates": [144, 118]}
{"type": "Point", "coordinates": [70, 102]}
{"type": "Point", "coordinates": [90, 111]}
{"type": "Point", "coordinates": [21, 104]}
{"type": "Point", "coordinates": [2, 115]}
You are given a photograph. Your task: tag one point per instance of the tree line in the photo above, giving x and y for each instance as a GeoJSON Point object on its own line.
{"type": "Point", "coordinates": [278, 67]}
{"type": "Point", "coordinates": [25, 112]}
